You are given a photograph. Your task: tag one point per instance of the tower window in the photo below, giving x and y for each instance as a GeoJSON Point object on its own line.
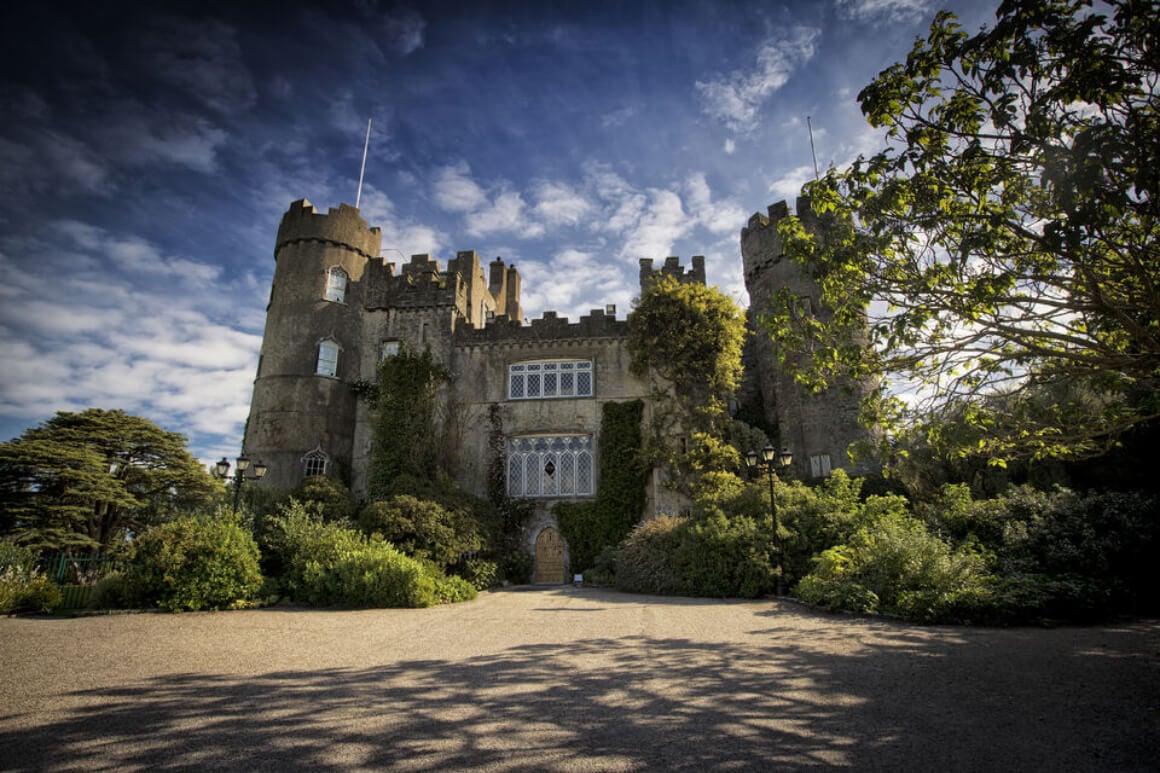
{"type": "Point", "coordinates": [315, 463]}
{"type": "Point", "coordinates": [327, 358]}
{"type": "Point", "coordinates": [390, 348]}
{"type": "Point", "coordinates": [820, 465]}
{"type": "Point", "coordinates": [336, 280]}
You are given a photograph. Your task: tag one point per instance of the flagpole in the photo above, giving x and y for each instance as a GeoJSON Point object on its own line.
{"type": "Point", "coordinates": [363, 168]}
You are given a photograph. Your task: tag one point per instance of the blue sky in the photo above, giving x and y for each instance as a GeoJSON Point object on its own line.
{"type": "Point", "coordinates": [149, 150]}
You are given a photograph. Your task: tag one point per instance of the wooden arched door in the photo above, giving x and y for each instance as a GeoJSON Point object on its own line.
{"type": "Point", "coordinates": [549, 557]}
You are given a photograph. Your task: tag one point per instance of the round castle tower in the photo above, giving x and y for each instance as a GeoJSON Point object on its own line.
{"type": "Point", "coordinates": [817, 428]}
{"type": "Point", "coordinates": [303, 409]}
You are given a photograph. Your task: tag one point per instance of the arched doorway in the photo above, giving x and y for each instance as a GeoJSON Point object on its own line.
{"type": "Point", "coordinates": [549, 557]}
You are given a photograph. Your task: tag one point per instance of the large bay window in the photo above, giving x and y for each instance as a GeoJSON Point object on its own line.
{"type": "Point", "coordinates": [550, 380]}
{"type": "Point", "coordinates": [550, 466]}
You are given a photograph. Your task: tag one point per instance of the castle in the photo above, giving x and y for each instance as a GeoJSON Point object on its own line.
{"type": "Point", "coordinates": [337, 308]}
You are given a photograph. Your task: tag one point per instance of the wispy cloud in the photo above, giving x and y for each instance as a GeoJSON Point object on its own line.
{"type": "Point", "coordinates": [736, 99]}
{"type": "Point", "coordinates": [884, 11]}
{"type": "Point", "coordinates": [202, 58]}
{"type": "Point", "coordinates": [456, 191]}
{"type": "Point", "coordinates": [403, 31]}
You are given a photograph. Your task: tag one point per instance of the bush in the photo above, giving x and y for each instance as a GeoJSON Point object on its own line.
{"type": "Point", "coordinates": [645, 562]}
{"type": "Point", "coordinates": [897, 566]}
{"type": "Point", "coordinates": [479, 573]}
{"type": "Point", "coordinates": [516, 567]}
{"type": "Point", "coordinates": [328, 564]}
{"type": "Point", "coordinates": [27, 590]}
{"type": "Point", "coordinates": [723, 557]}
{"type": "Point", "coordinates": [110, 592]}
{"type": "Point", "coordinates": [421, 528]}
{"type": "Point", "coordinates": [195, 563]}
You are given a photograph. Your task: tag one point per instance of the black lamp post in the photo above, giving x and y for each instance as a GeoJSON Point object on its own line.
{"type": "Point", "coordinates": [769, 459]}
{"type": "Point", "coordinates": [221, 470]}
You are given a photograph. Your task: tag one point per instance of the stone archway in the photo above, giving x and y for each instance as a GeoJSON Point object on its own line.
{"type": "Point", "coordinates": [549, 557]}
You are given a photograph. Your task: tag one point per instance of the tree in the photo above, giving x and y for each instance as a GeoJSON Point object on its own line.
{"type": "Point", "coordinates": [1003, 248]}
{"type": "Point", "coordinates": [85, 480]}
{"type": "Point", "coordinates": [691, 336]}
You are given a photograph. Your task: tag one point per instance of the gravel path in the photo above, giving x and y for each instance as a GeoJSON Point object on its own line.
{"type": "Point", "coordinates": [572, 679]}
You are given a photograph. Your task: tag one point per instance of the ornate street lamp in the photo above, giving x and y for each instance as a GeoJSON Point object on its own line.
{"type": "Point", "coordinates": [771, 459]}
{"type": "Point", "coordinates": [221, 470]}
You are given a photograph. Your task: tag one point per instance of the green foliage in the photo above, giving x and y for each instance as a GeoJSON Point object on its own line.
{"type": "Point", "coordinates": [1009, 231]}
{"type": "Point", "coordinates": [328, 564]}
{"type": "Point", "coordinates": [690, 335]}
{"type": "Point", "coordinates": [515, 566]}
{"type": "Point", "coordinates": [405, 438]}
{"type": "Point", "coordinates": [421, 528]}
{"type": "Point", "coordinates": [110, 592]}
{"type": "Point", "coordinates": [645, 562]}
{"type": "Point", "coordinates": [23, 587]}
{"type": "Point", "coordinates": [589, 527]}
{"type": "Point", "coordinates": [195, 563]}
{"type": "Point", "coordinates": [1058, 554]}
{"type": "Point", "coordinates": [895, 565]}
{"type": "Point", "coordinates": [480, 573]}
{"type": "Point", "coordinates": [719, 556]}
{"type": "Point", "coordinates": [85, 480]}
{"type": "Point", "coordinates": [332, 497]}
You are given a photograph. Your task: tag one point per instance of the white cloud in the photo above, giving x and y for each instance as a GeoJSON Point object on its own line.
{"type": "Point", "coordinates": [660, 225]}
{"type": "Point", "coordinates": [736, 99]}
{"type": "Point", "coordinates": [789, 185]}
{"type": "Point", "coordinates": [717, 217]}
{"type": "Point", "coordinates": [884, 11]}
{"type": "Point", "coordinates": [559, 204]}
{"type": "Point", "coordinates": [503, 215]}
{"type": "Point", "coordinates": [404, 235]}
{"type": "Point", "coordinates": [129, 328]}
{"type": "Point", "coordinates": [456, 191]}
{"type": "Point", "coordinates": [730, 146]}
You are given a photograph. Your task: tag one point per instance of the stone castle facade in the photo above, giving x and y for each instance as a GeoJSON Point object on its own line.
{"type": "Point", "coordinates": [337, 308]}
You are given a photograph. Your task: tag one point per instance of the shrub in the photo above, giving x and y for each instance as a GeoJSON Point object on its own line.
{"type": "Point", "coordinates": [328, 564]}
{"type": "Point", "coordinates": [895, 565]}
{"type": "Point", "coordinates": [645, 562]}
{"type": "Point", "coordinates": [421, 528]}
{"type": "Point", "coordinates": [479, 573]}
{"type": "Point", "coordinates": [110, 592]}
{"type": "Point", "coordinates": [516, 567]}
{"type": "Point", "coordinates": [195, 563]}
{"type": "Point", "coordinates": [27, 590]}
{"type": "Point", "coordinates": [723, 557]}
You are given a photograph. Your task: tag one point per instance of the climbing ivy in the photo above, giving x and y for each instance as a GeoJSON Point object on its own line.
{"type": "Point", "coordinates": [405, 441]}
{"type": "Point", "coordinates": [621, 494]}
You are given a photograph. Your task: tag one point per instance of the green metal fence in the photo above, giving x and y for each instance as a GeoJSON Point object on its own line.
{"type": "Point", "coordinates": [77, 575]}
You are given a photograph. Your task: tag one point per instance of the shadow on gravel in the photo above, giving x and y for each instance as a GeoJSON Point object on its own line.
{"type": "Point", "coordinates": [907, 700]}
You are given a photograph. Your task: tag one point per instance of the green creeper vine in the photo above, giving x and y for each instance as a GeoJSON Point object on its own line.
{"type": "Point", "coordinates": [621, 495]}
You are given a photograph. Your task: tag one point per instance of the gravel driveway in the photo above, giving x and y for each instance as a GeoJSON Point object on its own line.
{"type": "Point", "coordinates": [572, 679]}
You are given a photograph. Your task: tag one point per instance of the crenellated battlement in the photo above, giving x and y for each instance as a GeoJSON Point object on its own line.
{"type": "Point", "coordinates": [672, 267]}
{"type": "Point", "coordinates": [343, 226]}
{"type": "Point", "coordinates": [547, 328]}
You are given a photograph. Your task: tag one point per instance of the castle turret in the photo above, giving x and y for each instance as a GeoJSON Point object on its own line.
{"type": "Point", "coordinates": [817, 428]}
{"type": "Point", "coordinates": [303, 409]}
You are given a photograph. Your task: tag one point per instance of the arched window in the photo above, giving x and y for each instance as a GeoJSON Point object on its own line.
{"type": "Point", "coordinates": [336, 280]}
{"type": "Point", "coordinates": [328, 358]}
{"type": "Point", "coordinates": [315, 463]}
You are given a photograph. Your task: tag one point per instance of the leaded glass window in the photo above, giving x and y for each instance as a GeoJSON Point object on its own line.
{"type": "Point", "coordinates": [550, 466]}
{"type": "Point", "coordinates": [550, 380]}
{"type": "Point", "coordinates": [336, 280]}
{"type": "Point", "coordinates": [314, 463]}
{"type": "Point", "coordinates": [327, 358]}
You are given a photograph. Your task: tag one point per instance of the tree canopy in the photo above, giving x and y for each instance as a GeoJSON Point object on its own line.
{"type": "Point", "coordinates": [83, 480]}
{"type": "Point", "coordinates": [691, 336]}
{"type": "Point", "coordinates": [1001, 251]}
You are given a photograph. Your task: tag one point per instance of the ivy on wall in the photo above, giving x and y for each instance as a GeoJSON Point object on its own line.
{"type": "Point", "coordinates": [405, 439]}
{"type": "Point", "coordinates": [621, 492]}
